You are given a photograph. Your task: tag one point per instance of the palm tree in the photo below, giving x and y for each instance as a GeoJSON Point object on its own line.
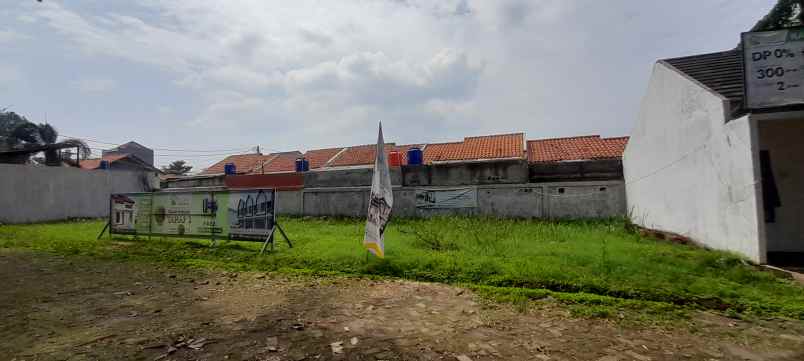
{"type": "Point", "coordinates": [44, 134]}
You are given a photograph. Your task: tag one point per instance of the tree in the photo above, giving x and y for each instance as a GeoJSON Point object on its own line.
{"type": "Point", "coordinates": [8, 122]}
{"type": "Point", "coordinates": [178, 167]}
{"type": "Point", "coordinates": [785, 14]}
{"type": "Point", "coordinates": [16, 132]}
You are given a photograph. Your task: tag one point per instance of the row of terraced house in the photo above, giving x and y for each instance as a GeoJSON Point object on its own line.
{"type": "Point", "coordinates": [496, 175]}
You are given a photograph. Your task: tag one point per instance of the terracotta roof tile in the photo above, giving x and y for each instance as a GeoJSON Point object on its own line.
{"type": "Point", "coordinates": [475, 148]}
{"type": "Point", "coordinates": [277, 162]}
{"type": "Point", "coordinates": [576, 148]}
{"type": "Point", "coordinates": [244, 163]}
{"type": "Point", "coordinates": [365, 154]}
{"type": "Point", "coordinates": [319, 157]}
{"type": "Point", "coordinates": [95, 163]}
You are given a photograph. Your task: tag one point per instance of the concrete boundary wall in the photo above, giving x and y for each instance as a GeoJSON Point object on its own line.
{"type": "Point", "coordinates": [36, 194]}
{"type": "Point", "coordinates": [555, 200]}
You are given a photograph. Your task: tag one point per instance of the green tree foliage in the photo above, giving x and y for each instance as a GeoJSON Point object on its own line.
{"type": "Point", "coordinates": [178, 167]}
{"type": "Point", "coordinates": [9, 121]}
{"type": "Point", "coordinates": [785, 14]}
{"type": "Point", "coordinates": [16, 132]}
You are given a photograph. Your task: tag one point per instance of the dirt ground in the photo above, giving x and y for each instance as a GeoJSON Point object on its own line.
{"type": "Point", "coordinates": [70, 308]}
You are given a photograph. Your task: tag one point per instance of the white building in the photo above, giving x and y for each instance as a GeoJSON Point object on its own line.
{"type": "Point", "coordinates": [700, 166]}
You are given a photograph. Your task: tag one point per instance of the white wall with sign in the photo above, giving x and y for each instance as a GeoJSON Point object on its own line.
{"type": "Point", "coordinates": [774, 68]}
{"type": "Point", "coordinates": [446, 198]}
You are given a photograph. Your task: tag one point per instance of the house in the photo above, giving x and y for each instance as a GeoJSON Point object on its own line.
{"type": "Point", "coordinates": [575, 149]}
{"type": "Point", "coordinates": [256, 163]}
{"type": "Point", "coordinates": [581, 158]}
{"type": "Point", "coordinates": [495, 147]}
{"type": "Point", "coordinates": [145, 154]}
{"type": "Point", "coordinates": [700, 165]}
{"type": "Point", "coordinates": [119, 161]}
{"type": "Point", "coordinates": [364, 155]}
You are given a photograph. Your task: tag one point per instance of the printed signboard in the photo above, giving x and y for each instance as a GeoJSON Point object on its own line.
{"type": "Point", "coordinates": [446, 198]}
{"type": "Point", "coordinates": [225, 214]}
{"type": "Point", "coordinates": [774, 68]}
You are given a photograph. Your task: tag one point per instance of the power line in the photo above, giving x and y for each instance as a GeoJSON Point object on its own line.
{"type": "Point", "coordinates": [172, 155]}
{"type": "Point", "coordinates": [160, 149]}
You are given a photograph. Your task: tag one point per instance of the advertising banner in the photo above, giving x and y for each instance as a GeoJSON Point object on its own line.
{"type": "Point", "coordinates": [381, 200]}
{"type": "Point", "coordinates": [225, 214]}
{"type": "Point", "coordinates": [446, 198]}
{"type": "Point", "coordinates": [774, 68]}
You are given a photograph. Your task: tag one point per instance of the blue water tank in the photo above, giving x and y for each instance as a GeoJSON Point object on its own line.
{"type": "Point", "coordinates": [229, 169]}
{"type": "Point", "coordinates": [302, 165]}
{"type": "Point", "coordinates": [415, 156]}
{"type": "Point", "coordinates": [104, 164]}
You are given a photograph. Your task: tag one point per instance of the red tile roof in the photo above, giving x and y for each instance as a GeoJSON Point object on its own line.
{"type": "Point", "coordinates": [319, 157]}
{"type": "Point", "coordinates": [257, 163]}
{"type": "Point", "coordinates": [475, 148]}
{"type": "Point", "coordinates": [244, 163]}
{"type": "Point", "coordinates": [278, 162]}
{"type": "Point", "coordinates": [365, 154]}
{"type": "Point", "coordinates": [576, 148]}
{"type": "Point", "coordinates": [95, 163]}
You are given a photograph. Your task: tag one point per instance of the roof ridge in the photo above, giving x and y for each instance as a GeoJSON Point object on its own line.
{"type": "Point", "coordinates": [565, 138]}
{"type": "Point", "coordinates": [730, 51]}
{"type": "Point", "coordinates": [493, 135]}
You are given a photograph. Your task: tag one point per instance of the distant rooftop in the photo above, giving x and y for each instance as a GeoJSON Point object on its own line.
{"type": "Point", "coordinates": [591, 147]}
{"type": "Point", "coordinates": [495, 146]}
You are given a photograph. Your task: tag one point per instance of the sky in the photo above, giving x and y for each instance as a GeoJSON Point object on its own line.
{"type": "Point", "coordinates": [199, 79]}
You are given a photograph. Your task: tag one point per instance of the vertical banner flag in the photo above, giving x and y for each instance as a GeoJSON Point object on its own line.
{"type": "Point", "coordinates": [381, 200]}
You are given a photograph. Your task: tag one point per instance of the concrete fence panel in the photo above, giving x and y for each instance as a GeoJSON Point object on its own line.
{"type": "Point", "coordinates": [37, 194]}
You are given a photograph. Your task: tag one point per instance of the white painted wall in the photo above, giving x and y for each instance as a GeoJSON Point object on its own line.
{"type": "Point", "coordinates": [783, 139]}
{"type": "Point", "coordinates": [690, 172]}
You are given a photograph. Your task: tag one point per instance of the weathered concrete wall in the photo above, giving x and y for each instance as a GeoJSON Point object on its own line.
{"type": "Point", "coordinates": [586, 199]}
{"type": "Point", "coordinates": [609, 169]}
{"type": "Point", "coordinates": [782, 138]}
{"type": "Point", "coordinates": [289, 203]}
{"type": "Point", "coordinates": [194, 182]}
{"type": "Point", "coordinates": [690, 172]}
{"type": "Point", "coordinates": [37, 194]}
{"type": "Point", "coordinates": [354, 177]}
{"type": "Point", "coordinates": [470, 173]}
{"type": "Point", "coordinates": [542, 200]}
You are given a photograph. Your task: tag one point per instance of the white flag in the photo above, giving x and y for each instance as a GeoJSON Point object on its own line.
{"type": "Point", "coordinates": [381, 200]}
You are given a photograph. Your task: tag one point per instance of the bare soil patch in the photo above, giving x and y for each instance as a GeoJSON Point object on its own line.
{"type": "Point", "coordinates": [75, 308]}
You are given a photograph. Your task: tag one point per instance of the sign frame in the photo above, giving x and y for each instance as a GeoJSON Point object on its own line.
{"type": "Point", "coordinates": [745, 87]}
{"type": "Point", "coordinates": [213, 235]}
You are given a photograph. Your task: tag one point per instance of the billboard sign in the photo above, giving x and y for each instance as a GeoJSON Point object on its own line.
{"type": "Point", "coordinates": [773, 68]}
{"type": "Point", "coordinates": [241, 214]}
{"type": "Point", "coordinates": [446, 198]}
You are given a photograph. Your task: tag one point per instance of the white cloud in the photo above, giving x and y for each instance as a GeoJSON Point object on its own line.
{"type": "Point", "coordinates": [324, 72]}
{"type": "Point", "coordinates": [95, 85]}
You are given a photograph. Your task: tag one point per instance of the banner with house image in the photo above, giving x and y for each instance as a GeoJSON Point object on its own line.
{"type": "Point", "coordinates": [224, 214]}
{"type": "Point", "coordinates": [251, 212]}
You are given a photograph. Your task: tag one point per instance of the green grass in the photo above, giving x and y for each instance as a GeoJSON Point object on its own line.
{"type": "Point", "coordinates": [598, 268]}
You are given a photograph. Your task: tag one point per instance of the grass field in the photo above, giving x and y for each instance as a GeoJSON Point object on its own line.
{"type": "Point", "coordinates": [597, 268]}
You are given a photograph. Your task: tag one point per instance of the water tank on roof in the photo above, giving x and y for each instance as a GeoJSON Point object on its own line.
{"type": "Point", "coordinates": [394, 159]}
{"type": "Point", "coordinates": [104, 164]}
{"type": "Point", "coordinates": [415, 156]}
{"type": "Point", "coordinates": [302, 165]}
{"type": "Point", "coordinates": [229, 169]}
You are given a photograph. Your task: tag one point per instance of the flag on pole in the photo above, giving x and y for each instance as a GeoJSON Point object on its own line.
{"type": "Point", "coordinates": [381, 200]}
